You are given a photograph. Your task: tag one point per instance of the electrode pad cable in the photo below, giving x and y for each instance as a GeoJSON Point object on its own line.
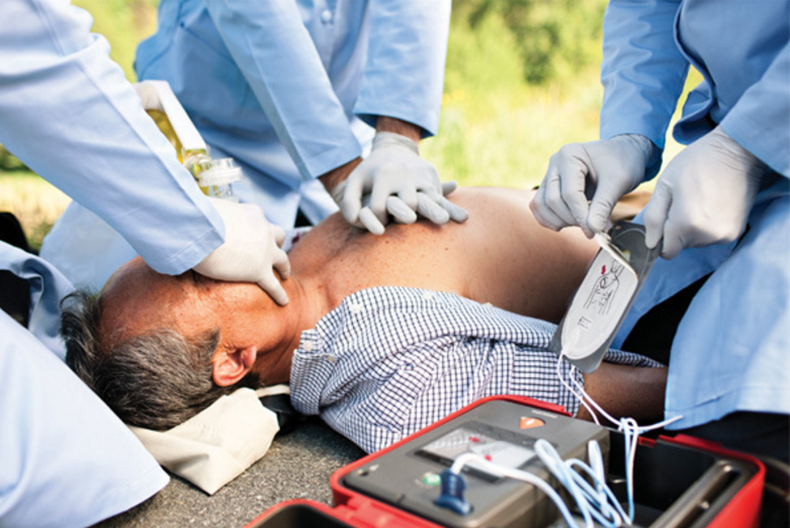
{"type": "Point", "coordinates": [628, 426]}
{"type": "Point", "coordinates": [595, 501]}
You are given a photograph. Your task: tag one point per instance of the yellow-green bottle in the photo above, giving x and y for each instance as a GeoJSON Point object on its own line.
{"type": "Point", "coordinates": [214, 177]}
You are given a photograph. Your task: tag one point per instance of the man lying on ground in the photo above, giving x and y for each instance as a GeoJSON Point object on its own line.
{"type": "Point", "coordinates": [383, 335]}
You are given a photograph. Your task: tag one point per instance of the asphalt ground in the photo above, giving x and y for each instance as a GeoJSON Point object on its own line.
{"type": "Point", "coordinates": [297, 465]}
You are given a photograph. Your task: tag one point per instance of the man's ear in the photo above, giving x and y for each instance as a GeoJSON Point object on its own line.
{"type": "Point", "coordinates": [231, 366]}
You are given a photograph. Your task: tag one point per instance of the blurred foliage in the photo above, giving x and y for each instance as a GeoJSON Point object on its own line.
{"type": "Point", "coordinates": [124, 23]}
{"type": "Point", "coordinates": [507, 105]}
{"type": "Point", "coordinates": [553, 38]}
{"type": "Point", "coordinates": [9, 162]}
{"type": "Point", "coordinates": [36, 203]}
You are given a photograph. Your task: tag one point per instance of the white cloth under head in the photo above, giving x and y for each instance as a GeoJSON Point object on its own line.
{"type": "Point", "coordinates": [220, 442]}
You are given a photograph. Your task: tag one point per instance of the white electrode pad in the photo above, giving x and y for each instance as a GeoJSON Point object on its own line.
{"type": "Point", "coordinates": [604, 296]}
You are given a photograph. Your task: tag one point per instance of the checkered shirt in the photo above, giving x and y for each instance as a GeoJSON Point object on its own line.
{"type": "Point", "coordinates": [389, 361]}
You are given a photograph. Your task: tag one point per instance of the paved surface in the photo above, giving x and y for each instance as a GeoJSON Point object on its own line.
{"type": "Point", "coordinates": [298, 465]}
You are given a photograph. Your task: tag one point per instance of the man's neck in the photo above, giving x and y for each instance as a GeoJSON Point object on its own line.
{"type": "Point", "coordinates": [309, 302]}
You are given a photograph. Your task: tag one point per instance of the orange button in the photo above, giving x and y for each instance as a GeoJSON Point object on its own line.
{"type": "Point", "coordinates": [528, 422]}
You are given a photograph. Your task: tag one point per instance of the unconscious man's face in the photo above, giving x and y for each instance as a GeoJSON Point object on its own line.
{"type": "Point", "coordinates": [153, 346]}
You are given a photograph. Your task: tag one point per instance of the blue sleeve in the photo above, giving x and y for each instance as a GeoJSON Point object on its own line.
{"type": "Point", "coordinates": [277, 57]}
{"type": "Point", "coordinates": [760, 120]}
{"type": "Point", "coordinates": [643, 71]}
{"type": "Point", "coordinates": [404, 73]}
{"type": "Point", "coordinates": [67, 111]}
{"type": "Point", "coordinates": [67, 459]}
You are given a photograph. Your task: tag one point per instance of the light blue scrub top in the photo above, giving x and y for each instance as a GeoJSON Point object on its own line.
{"type": "Point", "coordinates": [67, 111]}
{"type": "Point", "coordinates": [65, 459]}
{"type": "Point", "coordinates": [288, 87]}
{"type": "Point", "coordinates": [732, 348]}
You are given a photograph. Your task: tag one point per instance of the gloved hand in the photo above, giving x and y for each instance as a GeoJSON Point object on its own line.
{"type": "Point", "coordinates": [394, 180]}
{"type": "Point", "coordinates": [704, 196]}
{"type": "Point", "coordinates": [604, 170]}
{"type": "Point", "coordinates": [251, 251]}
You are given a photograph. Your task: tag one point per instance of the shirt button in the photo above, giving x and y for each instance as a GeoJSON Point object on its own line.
{"type": "Point", "coordinates": [326, 16]}
{"type": "Point", "coordinates": [428, 295]}
{"type": "Point", "coordinates": [356, 309]}
{"type": "Point", "coordinates": [308, 346]}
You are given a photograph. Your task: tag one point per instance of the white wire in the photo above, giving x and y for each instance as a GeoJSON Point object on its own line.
{"type": "Point", "coordinates": [628, 426]}
{"type": "Point", "coordinates": [593, 502]}
{"type": "Point", "coordinates": [641, 428]}
{"type": "Point", "coordinates": [596, 502]}
{"type": "Point", "coordinates": [517, 474]}
{"type": "Point", "coordinates": [578, 396]}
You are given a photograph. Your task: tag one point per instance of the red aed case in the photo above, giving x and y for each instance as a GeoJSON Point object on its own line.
{"type": "Point", "coordinates": [678, 482]}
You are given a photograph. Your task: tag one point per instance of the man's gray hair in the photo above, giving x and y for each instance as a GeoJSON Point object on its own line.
{"type": "Point", "coordinates": [155, 380]}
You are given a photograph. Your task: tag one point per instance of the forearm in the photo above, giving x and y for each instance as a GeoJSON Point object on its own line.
{"type": "Point", "coordinates": [336, 176]}
{"type": "Point", "coordinates": [398, 126]}
{"type": "Point", "coordinates": [621, 390]}
{"type": "Point", "coordinates": [331, 179]}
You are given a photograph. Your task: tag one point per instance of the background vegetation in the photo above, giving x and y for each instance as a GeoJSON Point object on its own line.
{"type": "Point", "coordinates": [521, 81]}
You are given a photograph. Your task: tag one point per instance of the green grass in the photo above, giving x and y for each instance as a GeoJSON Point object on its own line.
{"type": "Point", "coordinates": [495, 129]}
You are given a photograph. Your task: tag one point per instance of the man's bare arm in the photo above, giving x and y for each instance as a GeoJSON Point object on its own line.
{"type": "Point", "coordinates": [621, 390]}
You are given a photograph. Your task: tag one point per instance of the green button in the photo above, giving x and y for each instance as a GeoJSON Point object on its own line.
{"type": "Point", "coordinates": [431, 479]}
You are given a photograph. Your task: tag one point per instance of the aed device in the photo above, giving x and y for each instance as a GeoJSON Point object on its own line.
{"type": "Point", "coordinates": [678, 482]}
{"type": "Point", "coordinates": [501, 432]}
{"type": "Point", "coordinates": [605, 295]}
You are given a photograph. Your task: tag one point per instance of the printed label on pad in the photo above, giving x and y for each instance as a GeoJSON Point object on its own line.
{"type": "Point", "coordinates": [599, 303]}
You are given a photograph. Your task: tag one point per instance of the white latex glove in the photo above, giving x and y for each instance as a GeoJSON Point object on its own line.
{"type": "Point", "coordinates": [251, 251]}
{"type": "Point", "coordinates": [604, 170]}
{"type": "Point", "coordinates": [704, 196]}
{"type": "Point", "coordinates": [394, 180]}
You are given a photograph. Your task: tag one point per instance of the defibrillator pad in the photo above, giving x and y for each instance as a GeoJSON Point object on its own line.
{"type": "Point", "coordinates": [604, 297]}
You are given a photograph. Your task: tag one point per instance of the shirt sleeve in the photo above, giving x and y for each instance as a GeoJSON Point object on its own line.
{"type": "Point", "coordinates": [67, 111]}
{"type": "Point", "coordinates": [277, 57]}
{"type": "Point", "coordinates": [760, 120]}
{"type": "Point", "coordinates": [643, 71]}
{"type": "Point", "coordinates": [404, 73]}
